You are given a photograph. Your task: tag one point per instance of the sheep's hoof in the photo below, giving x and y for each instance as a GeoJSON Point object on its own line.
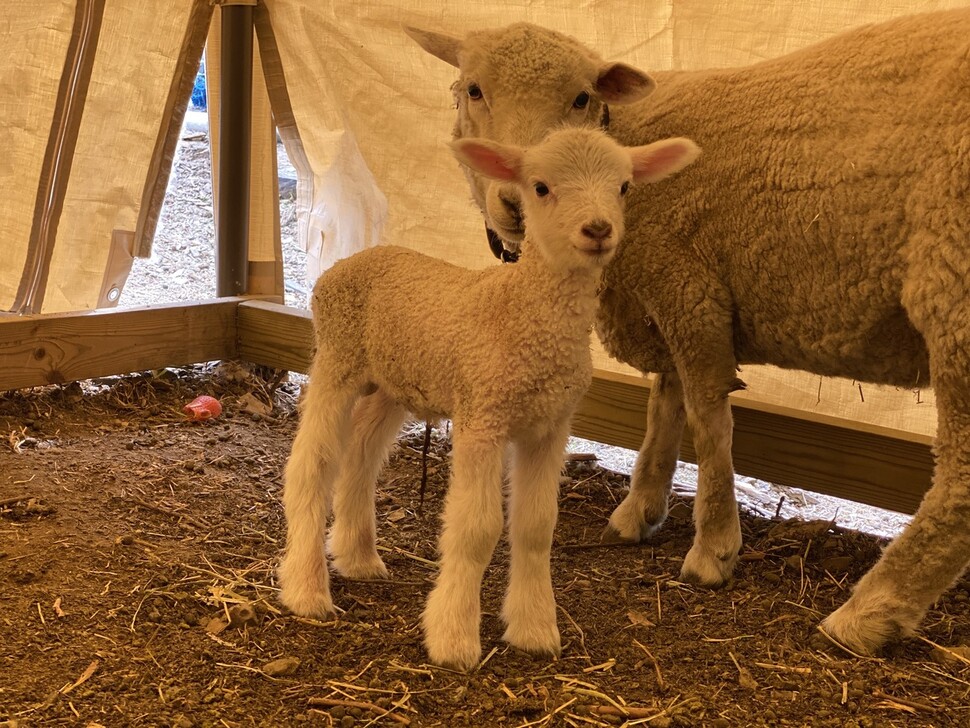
{"type": "Point", "coordinates": [455, 656]}
{"type": "Point", "coordinates": [308, 603]}
{"type": "Point", "coordinates": [707, 570]}
{"type": "Point", "coordinates": [861, 633]}
{"type": "Point", "coordinates": [536, 642]}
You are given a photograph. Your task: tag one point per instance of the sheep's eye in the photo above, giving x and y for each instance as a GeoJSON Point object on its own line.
{"type": "Point", "coordinates": [541, 189]}
{"type": "Point", "coordinates": [581, 101]}
{"type": "Point", "coordinates": [474, 92]}
{"type": "Point", "coordinates": [624, 188]}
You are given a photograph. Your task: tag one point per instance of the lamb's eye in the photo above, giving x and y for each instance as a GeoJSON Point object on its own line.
{"type": "Point", "coordinates": [624, 188]}
{"type": "Point", "coordinates": [474, 92]}
{"type": "Point", "coordinates": [541, 189]}
{"type": "Point", "coordinates": [581, 101]}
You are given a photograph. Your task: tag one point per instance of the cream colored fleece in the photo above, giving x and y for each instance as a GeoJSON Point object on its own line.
{"type": "Point", "coordinates": [506, 347]}
{"type": "Point", "coordinates": [827, 227]}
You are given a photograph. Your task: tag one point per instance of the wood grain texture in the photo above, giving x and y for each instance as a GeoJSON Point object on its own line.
{"type": "Point", "coordinates": [56, 348]}
{"type": "Point", "coordinates": [821, 453]}
{"type": "Point", "coordinates": [274, 335]}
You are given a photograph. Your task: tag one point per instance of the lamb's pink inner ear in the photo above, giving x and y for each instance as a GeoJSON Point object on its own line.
{"type": "Point", "coordinates": [495, 162]}
{"type": "Point", "coordinates": [659, 160]}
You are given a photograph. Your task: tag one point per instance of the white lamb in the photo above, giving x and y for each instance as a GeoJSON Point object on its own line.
{"type": "Point", "coordinates": [504, 352]}
{"type": "Point", "coordinates": [826, 229]}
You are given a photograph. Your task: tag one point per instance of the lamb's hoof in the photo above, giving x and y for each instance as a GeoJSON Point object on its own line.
{"type": "Point", "coordinates": [309, 603]}
{"type": "Point", "coordinates": [371, 567]}
{"type": "Point", "coordinates": [462, 655]}
{"type": "Point", "coordinates": [708, 570]}
{"type": "Point", "coordinates": [611, 535]}
{"type": "Point", "coordinates": [538, 640]}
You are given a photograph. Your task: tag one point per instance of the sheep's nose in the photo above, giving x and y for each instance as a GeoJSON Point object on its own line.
{"type": "Point", "coordinates": [597, 229]}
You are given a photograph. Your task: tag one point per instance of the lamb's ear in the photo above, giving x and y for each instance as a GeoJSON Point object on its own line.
{"type": "Point", "coordinates": [498, 161]}
{"type": "Point", "coordinates": [440, 45]}
{"type": "Point", "coordinates": [619, 83]}
{"type": "Point", "coordinates": [656, 161]}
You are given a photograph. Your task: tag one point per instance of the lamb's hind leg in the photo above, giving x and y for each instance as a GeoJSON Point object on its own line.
{"type": "Point", "coordinates": [472, 525]}
{"type": "Point", "coordinates": [310, 472]}
{"type": "Point", "coordinates": [645, 506]}
{"type": "Point", "coordinates": [353, 535]}
{"type": "Point", "coordinates": [530, 605]}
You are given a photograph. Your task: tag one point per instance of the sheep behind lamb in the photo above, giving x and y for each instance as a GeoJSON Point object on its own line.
{"type": "Point", "coordinates": [827, 228]}
{"type": "Point", "coordinates": [504, 352]}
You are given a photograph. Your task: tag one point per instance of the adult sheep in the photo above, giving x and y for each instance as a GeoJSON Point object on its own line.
{"type": "Point", "coordinates": [827, 229]}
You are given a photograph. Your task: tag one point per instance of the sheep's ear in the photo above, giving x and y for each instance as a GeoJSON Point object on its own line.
{"type": "Point", "coordinates": [656, 161]}
{"type": "Point", "coordinates": [619, 83]}
{"type": "Point", "coordinates": [489, 158]}
{"type": "Point", "coordinates": [440, 45]}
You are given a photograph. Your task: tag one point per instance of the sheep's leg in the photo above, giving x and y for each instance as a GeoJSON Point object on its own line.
{"type": "Point", "coordinates": [645, 507]}
{"type": "Point", "coordinates": [472, 525]}
{"type": "Point", "coordinates": [717, 528]}
{"type": "Point", "coordinates": [353, 534]}
{"type": "Point", "coordinates": [310, 473]}
{"type": "Point", "coordinates": [530, 606]}
{"type": "Point", "coordinates": [931, 553]}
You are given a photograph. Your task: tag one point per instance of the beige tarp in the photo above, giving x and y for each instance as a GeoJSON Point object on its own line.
{"type": "Point", "coordinates": [364, 114]}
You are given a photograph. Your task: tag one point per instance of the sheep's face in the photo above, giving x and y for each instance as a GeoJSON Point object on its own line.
{"type": "Point", "coordinates": [572, 187]}
{"type": "Point", "coordinates": [516, 85]}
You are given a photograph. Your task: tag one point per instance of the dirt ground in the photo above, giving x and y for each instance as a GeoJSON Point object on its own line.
{"type": "Point", "coordinates": [137, 551]}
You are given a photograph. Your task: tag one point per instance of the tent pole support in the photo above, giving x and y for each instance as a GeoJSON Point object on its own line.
{"type": "Point", "coordinates": [235, 135]}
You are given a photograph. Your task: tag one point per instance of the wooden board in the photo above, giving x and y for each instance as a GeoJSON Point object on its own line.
{"type": "Point", "coordinates": [857, 461]}
{"type": "Point", "coordinates": [56, 348]}
{"type": "Point", "coordinates": [818, 452]}
{"type": "Point", "coordinates": [274, 335]}
{"type": "Point", "coordinates": [849, 459]}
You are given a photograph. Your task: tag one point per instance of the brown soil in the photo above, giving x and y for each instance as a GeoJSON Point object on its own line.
{"type": "Point", "coordinates": [129, 536]}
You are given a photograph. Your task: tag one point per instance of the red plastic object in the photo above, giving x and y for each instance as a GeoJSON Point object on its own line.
{"type": "Point", "coordinates": [203, 407]}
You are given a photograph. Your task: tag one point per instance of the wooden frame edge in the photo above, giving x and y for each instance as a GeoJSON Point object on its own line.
{"type": "Point", "coordinates": [860, 462]}
{"type": "Point", "coordinates": [54, 348]}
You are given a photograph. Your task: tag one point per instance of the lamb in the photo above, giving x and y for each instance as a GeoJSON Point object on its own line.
{"type": "Point", "coordinates": [504, 352]}
{"type": "Point", "coordinates": [827, 229]}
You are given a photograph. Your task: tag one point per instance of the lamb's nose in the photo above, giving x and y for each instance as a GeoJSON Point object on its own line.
{"type": "Point", "coordinates": [597, 229]}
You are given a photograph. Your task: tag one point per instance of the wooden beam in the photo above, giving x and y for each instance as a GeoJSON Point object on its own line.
{"type": "Point", "coordinates": [56, 348]}
{"type": "Point", "coordinates": [275, 336]}
{"type": "Point", "coordinates": [879, 466]}
{"type": "Point", "coordinates": [864, 463]}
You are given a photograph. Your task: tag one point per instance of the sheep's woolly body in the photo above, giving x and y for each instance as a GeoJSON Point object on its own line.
{"type": "Point", "coordinates": [855, 154]}
{"type": "Point", "coordinates": [826, 228]}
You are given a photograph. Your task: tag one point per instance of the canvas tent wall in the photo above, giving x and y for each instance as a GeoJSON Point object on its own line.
{"type": "Point", "coordinates": [92, 94]}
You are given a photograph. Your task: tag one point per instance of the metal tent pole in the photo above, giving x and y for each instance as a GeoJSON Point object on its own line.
{"type": "Point", "coordinates": [235, 135]}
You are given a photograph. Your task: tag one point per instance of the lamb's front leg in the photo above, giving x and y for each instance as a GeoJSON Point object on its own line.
{"type": "Point", "coordinates": [645, 506]}
{"type": "Point", "coordinates": [530, 606]}
{"type": "Point", "coordinates": [472, 525]}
